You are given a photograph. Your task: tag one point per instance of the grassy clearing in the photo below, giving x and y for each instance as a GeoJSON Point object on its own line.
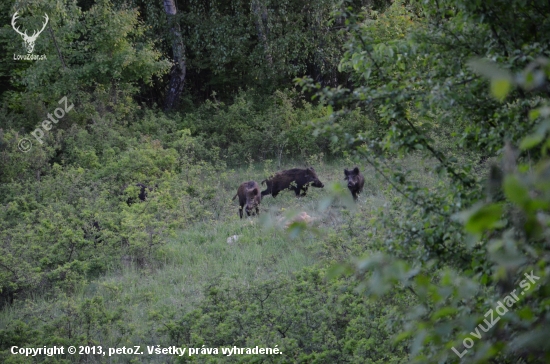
{"type": "Point", "coordinates": [200, 255]}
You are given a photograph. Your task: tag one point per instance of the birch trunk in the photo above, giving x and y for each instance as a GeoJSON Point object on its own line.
{"type": "Point", "coordinates": [177, 73]}
{"type": "Point", "coordinates": [260, 21]}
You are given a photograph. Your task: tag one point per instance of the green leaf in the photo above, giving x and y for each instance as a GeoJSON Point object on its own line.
{"type": "Point", "coordinates": [445, 311]}
{"type": "Point", "coordinates": [531, 141]}
{"type": "Point", "coordinates": [402, 336]}
{"type": "Point", "coordinates": [533, 114]}
{"type": "Point", "coordinates": [489, 69]}
{"type": "Point", "coordinates": [296, 228]}
{"type": "Point", "coordinates": [515, 191]}
{"type": "Point", "coordinates": [501, 80]}
{"type": "Point", "coordinates": [485, 218]}
{"type": "Point", "coordinates": [500, 88]}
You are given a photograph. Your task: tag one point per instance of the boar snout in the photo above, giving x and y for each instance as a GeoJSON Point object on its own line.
{"type": "Point", "coordinates": [318, 184]}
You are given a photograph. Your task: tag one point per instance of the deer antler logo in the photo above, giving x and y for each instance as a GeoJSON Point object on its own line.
{"type": "Point", "coordinates": [28, 41]}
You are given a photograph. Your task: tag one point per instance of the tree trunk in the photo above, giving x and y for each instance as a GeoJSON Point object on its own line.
{"type": "Point", "coordinates": [177, 73]}
{"type": "Point", "coordinates": [260, 21]}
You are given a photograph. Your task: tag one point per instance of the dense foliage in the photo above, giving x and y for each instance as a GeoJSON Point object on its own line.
{"type": "Point", "coordinates": [311, 321]}
{"type": "Point", "coordinates": [419, 70]}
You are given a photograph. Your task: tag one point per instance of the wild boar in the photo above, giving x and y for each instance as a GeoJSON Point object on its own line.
{"type": "Point", "coordinates": [249, 195]}
{"type": "Point", "coordinates": [284, 179]}
{"type": "Point", "coordinates": [142, 193]}
{"type": "Point", "coordinates": [356, 181]}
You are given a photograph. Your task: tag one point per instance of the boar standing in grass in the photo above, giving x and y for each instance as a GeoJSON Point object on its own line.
{"type": "Point", "coordinates": [294, 179]}
{"type": "Point", "coordinates": [249, 195]}
{"type": "Point", "coordinates": [356, 181]}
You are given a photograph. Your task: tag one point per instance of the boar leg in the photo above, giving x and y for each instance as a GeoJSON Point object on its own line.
{"type": "Point", "coordinates": [268, 190]}
{"type": "Point", "coordinates": [296, 189]}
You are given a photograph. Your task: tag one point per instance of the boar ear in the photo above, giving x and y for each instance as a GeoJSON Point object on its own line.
{"type": "Point", "coordinates": [255, 191]}
{"type": "Point", "coordinates": [346, 172]}
{"type": "Point", "coordinates": [356, 170]}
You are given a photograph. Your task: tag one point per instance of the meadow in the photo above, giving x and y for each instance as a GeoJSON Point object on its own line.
{"type": "Point", "coordinates": [139, 303]}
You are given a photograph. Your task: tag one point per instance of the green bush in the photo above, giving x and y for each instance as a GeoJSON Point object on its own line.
{"type": "Point", "coordinates": [311, 321]}
{"type": "Point", "coordinates": [275, 128]}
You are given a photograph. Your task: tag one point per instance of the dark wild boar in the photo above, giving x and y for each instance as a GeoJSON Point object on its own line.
{"type": "Point", "coordinates": [284, 179]}
{"type": "Point", "coordinates": [249, 195]}
{"type": "Point", "coordinates": [142, 193]}
{"type": "Point", "coordinates": [356, 181]}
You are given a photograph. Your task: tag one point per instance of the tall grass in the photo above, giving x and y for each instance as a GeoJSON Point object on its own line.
{"type": "Point", "coordinates": [199, 255]}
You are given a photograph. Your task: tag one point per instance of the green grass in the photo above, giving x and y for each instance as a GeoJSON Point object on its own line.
{"type": "Point", "coordinates": [199, 255]}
